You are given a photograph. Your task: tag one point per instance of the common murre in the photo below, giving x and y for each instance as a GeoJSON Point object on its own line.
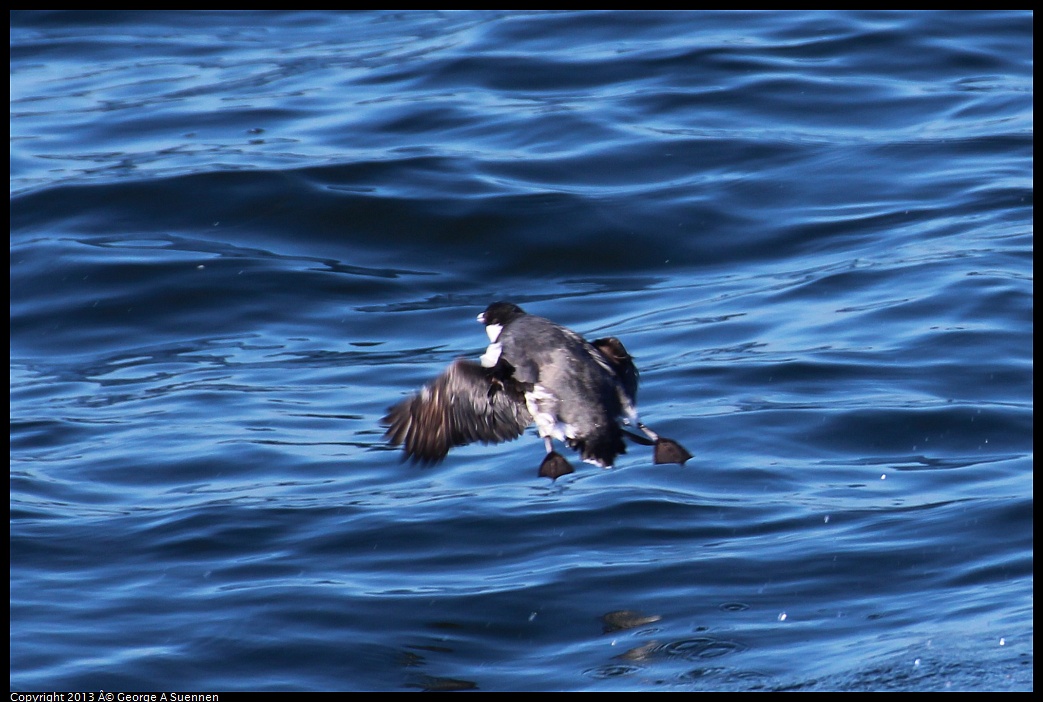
{"type": "Point", "coordinates": [578, 392]}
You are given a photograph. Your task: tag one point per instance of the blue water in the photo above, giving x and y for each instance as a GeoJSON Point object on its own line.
{"type": "Point", "coordinates": [237, 238]}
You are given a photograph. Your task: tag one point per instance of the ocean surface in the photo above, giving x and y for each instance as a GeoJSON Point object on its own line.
{"type": "Point", "coordinates": [238, 238]}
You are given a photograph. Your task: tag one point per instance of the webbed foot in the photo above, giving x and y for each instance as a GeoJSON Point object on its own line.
{"type": "Point", "coordinates": [554, 466]}
{"type": "Point", "coordinates": [669, 451]}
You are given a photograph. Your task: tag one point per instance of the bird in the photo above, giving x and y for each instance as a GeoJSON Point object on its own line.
{"type": "Point", "coordinates": [578, 392]}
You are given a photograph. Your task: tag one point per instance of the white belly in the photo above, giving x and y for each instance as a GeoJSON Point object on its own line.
{"type": "Point", "coordinates": [543, 406]}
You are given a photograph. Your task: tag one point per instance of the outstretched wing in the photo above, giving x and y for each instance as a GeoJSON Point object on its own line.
{"type": "Point", "coordinates": [465, 404]}
{"type": "Point", "coordinates": [620, 362]}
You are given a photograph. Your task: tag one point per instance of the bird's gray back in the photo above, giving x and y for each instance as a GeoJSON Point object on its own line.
{"type": "Point", "coordinates": [562, 362]}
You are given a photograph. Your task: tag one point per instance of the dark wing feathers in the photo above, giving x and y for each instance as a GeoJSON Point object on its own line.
{"type": "Point", "coordinates": [465, 404]}
{"type": "Point", "coordinates": [621, 363]}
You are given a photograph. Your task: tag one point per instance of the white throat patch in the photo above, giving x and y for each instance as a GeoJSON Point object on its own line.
{"type": "Point", "coordinates": [491, 355]}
